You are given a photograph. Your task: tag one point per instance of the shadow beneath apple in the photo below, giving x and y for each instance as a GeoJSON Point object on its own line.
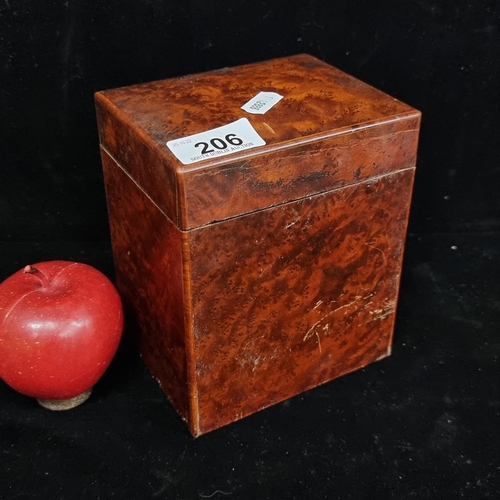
{"type": "Point", "coordinates": [126, 368]}
{"type": "Point", "coordinates": [128, 387]}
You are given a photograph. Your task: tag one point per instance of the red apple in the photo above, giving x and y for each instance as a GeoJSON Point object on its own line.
{"type": "Point", "coordinates": [60, 325]}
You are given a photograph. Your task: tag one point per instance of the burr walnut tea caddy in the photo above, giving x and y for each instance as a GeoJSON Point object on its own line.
{"type": "Point", "coordinates": [259, 248]}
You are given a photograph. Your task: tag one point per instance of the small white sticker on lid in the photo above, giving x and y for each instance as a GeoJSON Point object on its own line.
{"type": "Point", "coordinates": [221, 141]}
{"type": "Point", "coordinates": [261, 103]}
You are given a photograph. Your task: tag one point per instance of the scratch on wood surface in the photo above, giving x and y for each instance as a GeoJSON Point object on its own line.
{"type": "Point", "coordinates": [319, 341]}
{"type": "Point", "coordinates": [262, 271]}
{"type": "Point", "coordinates": [371, 245]}
{"type": "Point", "coordinates": [388, 242]}
{"type": "Point", "coordinates": [256, 362]}
{"type": "Point", "coordinates": [326, 328]}
{"type": "Point", "coordinates": [311, 330]}
{"type": "Point", "coordinates": [291, 224]}
{"type": "Point", "coordinates": [268, 127]}
{"type": "Point", "coordinates": [389, 307]}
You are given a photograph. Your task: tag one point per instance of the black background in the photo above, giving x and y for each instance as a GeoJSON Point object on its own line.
{"type": "Point", "coordinates": [421, 424]}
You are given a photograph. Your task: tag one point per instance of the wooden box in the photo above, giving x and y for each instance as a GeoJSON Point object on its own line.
{"type": "Point", "coordinates": [265, 264]}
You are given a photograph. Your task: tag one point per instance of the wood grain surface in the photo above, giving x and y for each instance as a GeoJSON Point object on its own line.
{"type": "Point", "coordinates": [290, 297]}
{"type": "Point", "coordinates": [329, 130]}
{"type": "Point", "coordinates": [265, 306]}
{"type": "Point", "coordinates": [147, 250]}
{"type": "Point", "coordinates": [259, 275]}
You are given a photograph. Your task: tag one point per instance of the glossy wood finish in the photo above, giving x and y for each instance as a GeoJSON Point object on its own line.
{"type": "Point", "coordinates": [288, 298]}
{"type": "Point", "coordinates": [258, 275]}
{"type": "Point", "coordinates": [329, 130]}
{"type": "Point", "coordinates": [147, 250]}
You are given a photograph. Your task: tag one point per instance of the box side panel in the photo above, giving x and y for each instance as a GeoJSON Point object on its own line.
{"type": "Point", "coordinates": [293, 172]}
{"type": "Point", "coordinates": [137, 153]}
{"type": "Point", "coordinates": [147, 250]}
{"type": "Point", "coordinates": [288, 298]}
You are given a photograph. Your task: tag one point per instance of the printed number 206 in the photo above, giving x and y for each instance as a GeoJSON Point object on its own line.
{"type": "Point", "coordinates": [219, 143]}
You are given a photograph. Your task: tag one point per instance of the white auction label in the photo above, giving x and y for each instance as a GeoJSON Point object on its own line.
{"type": "Point", "coordinates": [228, 139]}
{"type": "Point", "coordinates": [261, 103]}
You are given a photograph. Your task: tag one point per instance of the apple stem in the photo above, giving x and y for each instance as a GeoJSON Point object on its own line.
{"type": "Point", "coordinates": [36, 272]}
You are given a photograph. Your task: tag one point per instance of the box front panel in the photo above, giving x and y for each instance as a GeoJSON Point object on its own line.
{"type": "Point", "coordinates": [290, 297]}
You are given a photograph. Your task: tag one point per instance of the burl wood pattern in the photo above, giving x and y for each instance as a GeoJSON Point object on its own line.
{"type": "Point", "coordinates": [147, 251]}
{"type": "Point", "coordinates": [288, 298]}
{"type": "Point", "coordinates": [258, 275]}
{"type": "Point", "coordinates": [329, 130]}
{"type": "Point", "coordinates": [277, 301]}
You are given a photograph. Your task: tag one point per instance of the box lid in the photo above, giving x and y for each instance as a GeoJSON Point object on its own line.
{"type": "Point", "coordinates": [328, 130]}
